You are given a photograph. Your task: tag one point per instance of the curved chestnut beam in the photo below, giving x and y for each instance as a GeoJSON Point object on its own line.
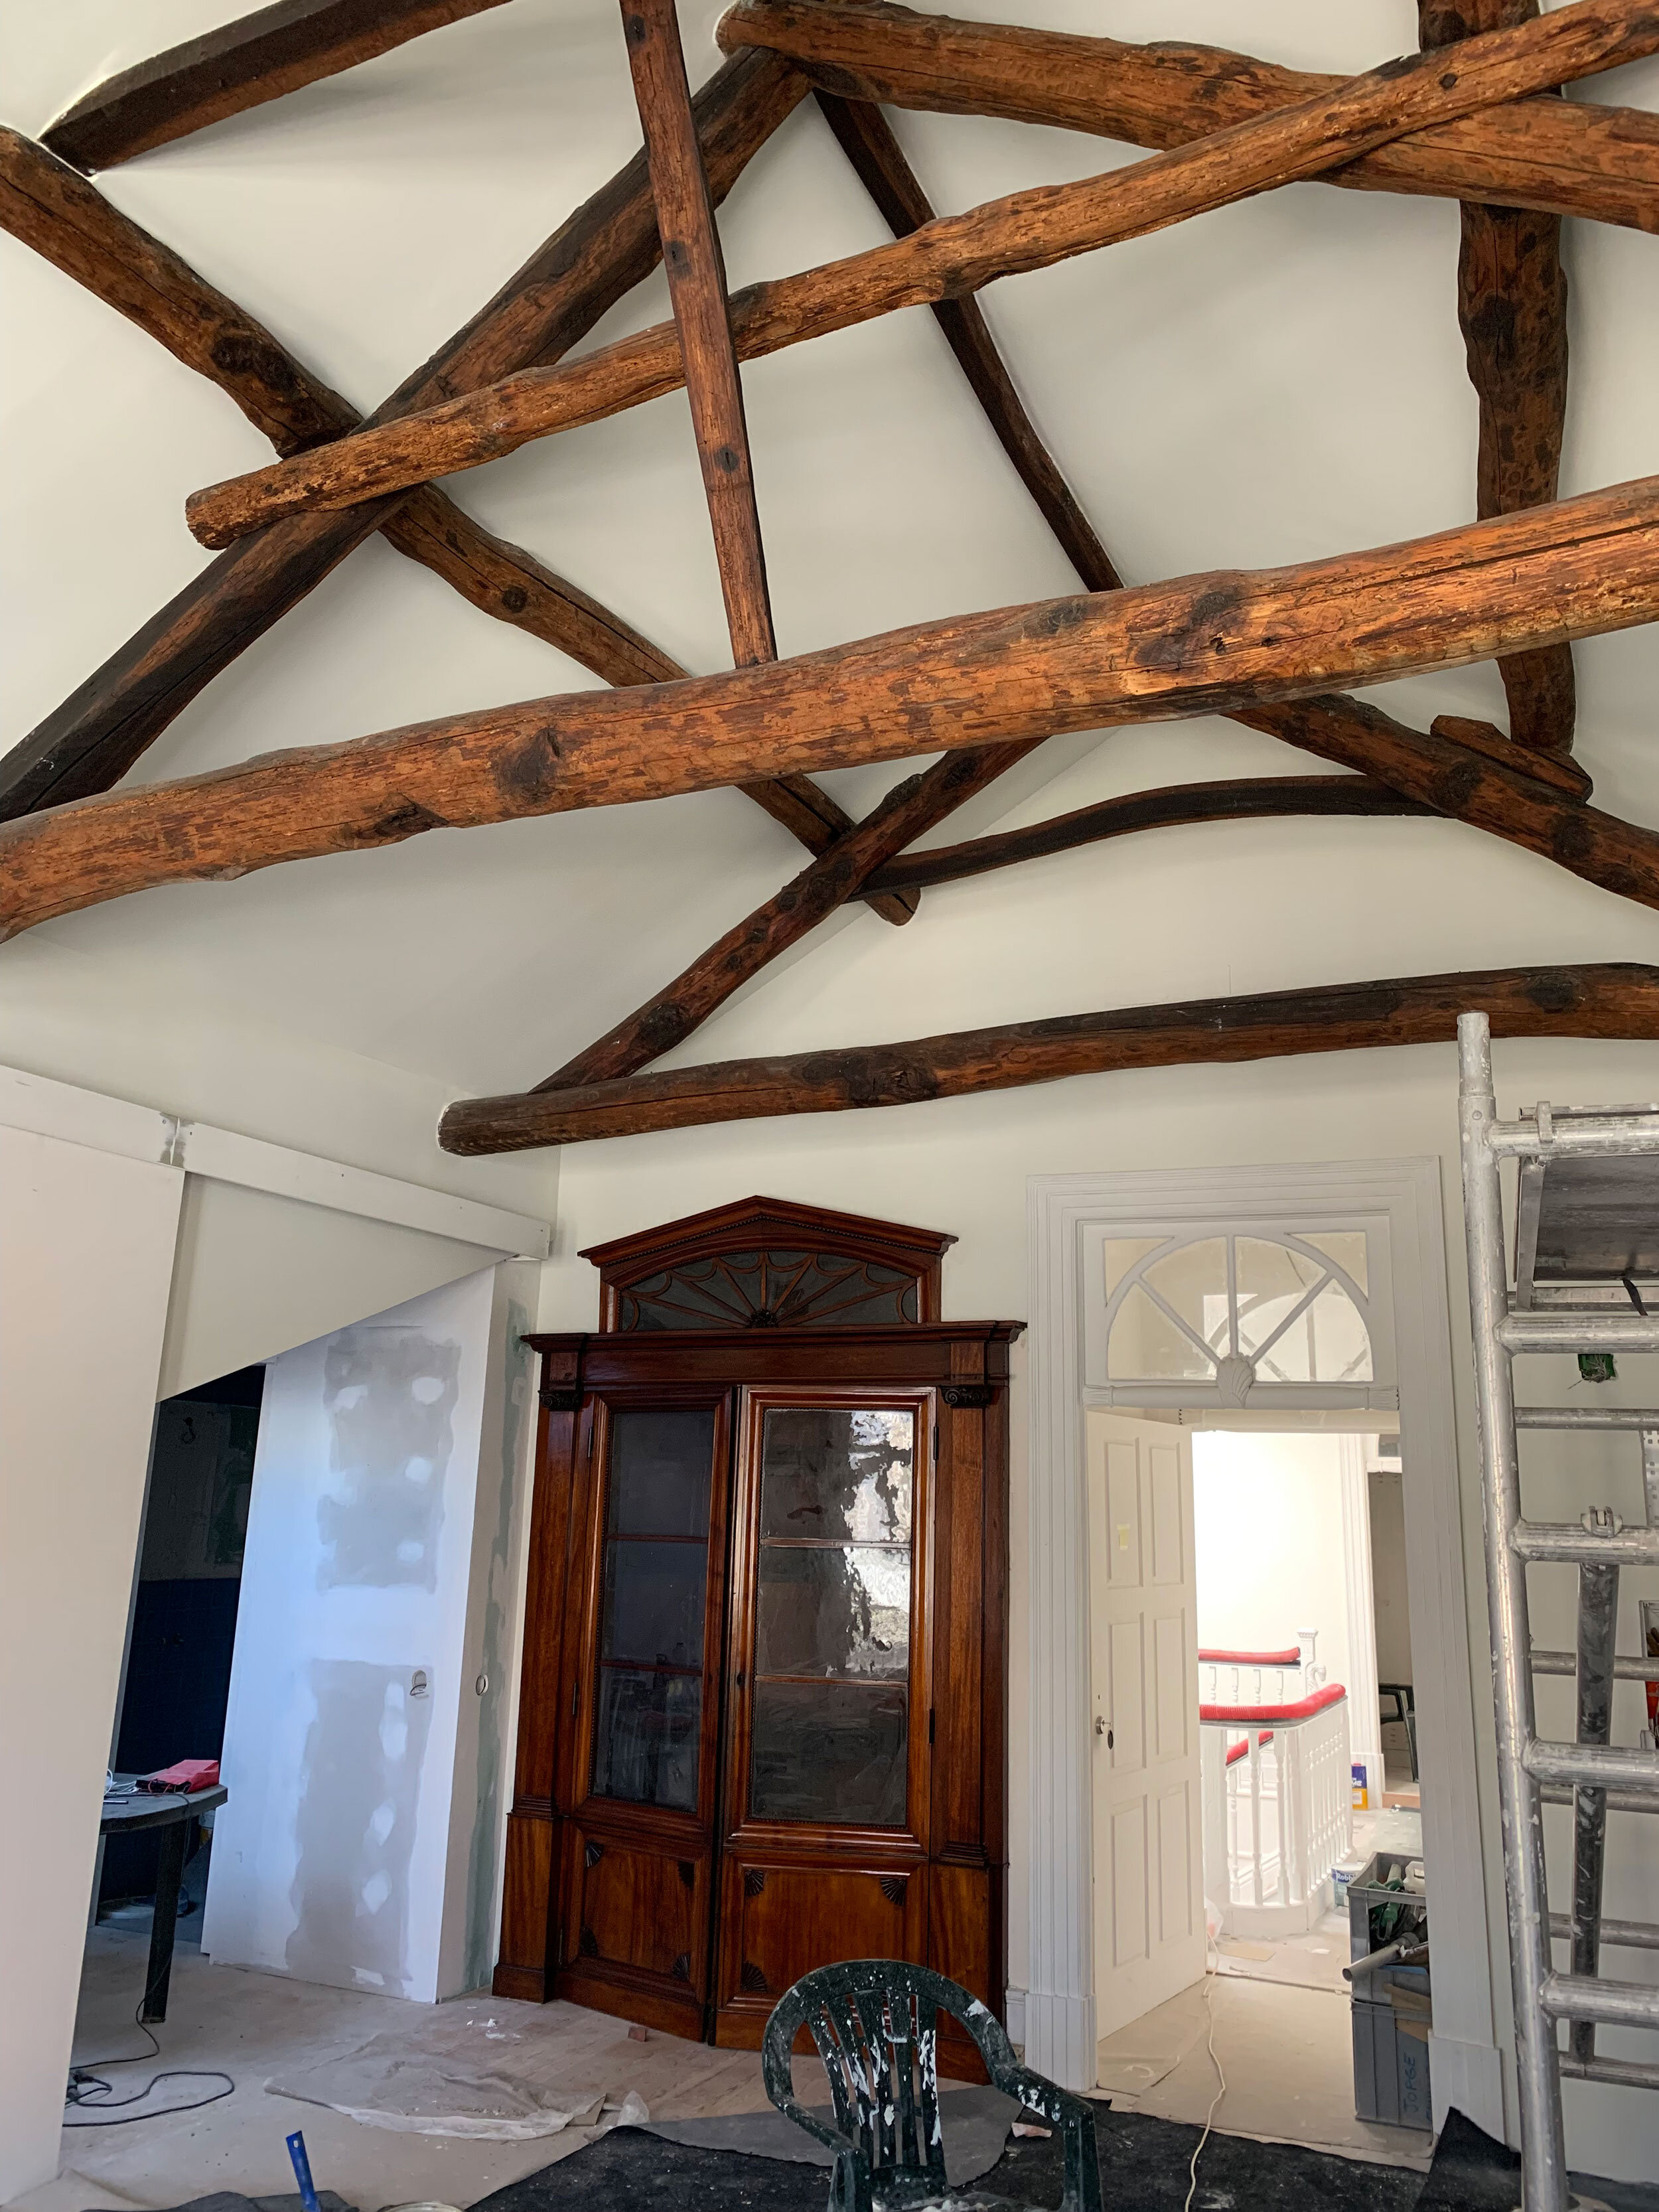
{"type": "Point", "coordinates": [239, 66]}
{"type": "Point", "coordinates": [1562, 158]}
{"type": "Point", "coordinates": [1260, 645]}
{"type": "Point", "coordinates": [1613, 1001]}
{"type": "Point", "coordinates": [950, 256]}
{"type": "Point", "coordinates": [1255, 799]}
{"type": "Point", "coordinates": [96, 734]}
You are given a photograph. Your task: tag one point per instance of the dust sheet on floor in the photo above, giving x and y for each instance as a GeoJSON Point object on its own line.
{"type": "Point", "coordinates": [462, 2073]}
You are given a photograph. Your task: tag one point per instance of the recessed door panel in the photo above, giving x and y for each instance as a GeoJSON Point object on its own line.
{"type": "Point", "coordinates": [638, 1909]}
{"type": "Point", "coordinates": [1178, 1820]}
{"type": "Point", "coordinates": [1127, 1696]}
{"type": "Point", "coordinates": [1126, 1846]}
{"type": "Point", "coordinates": [1176, 1714]}
{"type": "Point", "coordinates": [779, 1921]}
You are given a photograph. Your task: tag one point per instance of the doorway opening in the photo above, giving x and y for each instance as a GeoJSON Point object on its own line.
{"type": "Point", "coordinates": [1244, 1831]}
{"type": "Point", "coordinates": [181, 1630]}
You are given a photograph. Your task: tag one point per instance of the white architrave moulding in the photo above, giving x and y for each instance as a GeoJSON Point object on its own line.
{"type": "Point", "coordinates": [1402, 1199]}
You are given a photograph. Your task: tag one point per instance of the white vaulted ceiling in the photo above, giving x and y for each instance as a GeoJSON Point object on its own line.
{"type": "Point", "coordinates": [1274, 382]}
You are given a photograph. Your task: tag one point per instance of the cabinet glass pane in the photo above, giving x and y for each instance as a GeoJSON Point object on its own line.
{"type": "Point", "coordinates": [659, 1467]}
{"type": "Point", "coordinates": [646, 1749]}
{"type": "Point", "coordinates": [833, 1752]}
{"type": "Point", "coordinates": [833, 1610]}
{"type": "Point", "coordinates": [838, 1472]}
{"type": "Point", "coordinates": [830, 1724]}
{"type": "Point", "coordinates": [653, 1590]}
{"type": "Point", "coordinates": [653, 1602]}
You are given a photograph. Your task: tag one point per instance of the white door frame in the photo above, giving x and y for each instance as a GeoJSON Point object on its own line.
{"type": "Point", "coordinates": [1059, 2008]}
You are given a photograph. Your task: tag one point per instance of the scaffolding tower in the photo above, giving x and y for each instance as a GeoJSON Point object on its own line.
{"type": "Point", "coordinates": [1587, 1237]}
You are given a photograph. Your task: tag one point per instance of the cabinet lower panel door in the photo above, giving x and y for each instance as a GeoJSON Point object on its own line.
{"type": "Point", "coordinates": [778, 1922]}
{"type": "Point", "coordinates": [635, 1924]}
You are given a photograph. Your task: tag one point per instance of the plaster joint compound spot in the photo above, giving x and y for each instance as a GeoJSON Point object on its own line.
{"type": "Point", "coordinates": [390, 1392]}
{"type": "Point", "coordinates": [355, 1826]}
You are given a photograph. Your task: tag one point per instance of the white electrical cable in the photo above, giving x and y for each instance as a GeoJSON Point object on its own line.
{"type": "Point", "coordinates": [1210, 1973]}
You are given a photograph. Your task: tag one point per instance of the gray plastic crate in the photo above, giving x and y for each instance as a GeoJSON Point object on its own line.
{"type": "Point", "coordinates": [1390, 2062]}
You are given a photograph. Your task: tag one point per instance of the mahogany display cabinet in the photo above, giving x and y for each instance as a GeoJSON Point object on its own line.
{"type": "Point", "coordinates": [764, 1710]}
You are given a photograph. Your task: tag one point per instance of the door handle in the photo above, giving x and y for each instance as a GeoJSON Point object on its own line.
{"type": "Point", "coordinates": [1101, 1728]}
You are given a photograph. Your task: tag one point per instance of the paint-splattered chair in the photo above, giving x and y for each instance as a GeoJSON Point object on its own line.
{"type": "Point", "coordinates": [875, 2022]}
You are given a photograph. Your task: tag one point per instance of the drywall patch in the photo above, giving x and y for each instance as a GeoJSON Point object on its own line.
{"type": "Point", "coordinates": [390, 1392]}
{"type": "Point", "coordinates": [354, 1828]}
{"type": "Point", "coordinates": [493, 1654]}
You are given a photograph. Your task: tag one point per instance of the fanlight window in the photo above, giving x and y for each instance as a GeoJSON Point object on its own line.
{"type": "Point", "coordinates": [1232, 1311]}
{"type": "Point", "coordinates": [770, 1289]}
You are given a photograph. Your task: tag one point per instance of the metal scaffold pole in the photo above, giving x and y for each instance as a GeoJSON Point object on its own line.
{"type": "Point", "coordinates": [1584, 1236]}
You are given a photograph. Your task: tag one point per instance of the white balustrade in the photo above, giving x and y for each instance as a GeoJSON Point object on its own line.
{"type": "Point", "coordinates": [1278, 1809]}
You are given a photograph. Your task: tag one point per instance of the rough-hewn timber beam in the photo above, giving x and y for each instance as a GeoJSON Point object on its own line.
{"type": "Point", "coordinates": [695, 269]}
{"type": "Point", "coordinates": [1512, 309]}
{"type": "Point", "coordinates": [1602, 163]}
{"type": "Point", "coordinates": [53, 210]}
{"type": "Point", "coordinates": [240, 66]}
{"type": "Point", "coordinates": [608, 246]}
{"type": "Point", "coordinates": [1218, 643]}
{"type": "Point", "coordinates": [670, 1016]}
{"type": "Point", "coordinates": [1177, 805]}
{"type": "Point", "coordinates": [696, 288]}
{"type": "Point", "coordinates": [951, 256]}
{"type": "Point", "coordinates": [1615, 1000]}
{"type": "Point", "coordinates": [865, 137]}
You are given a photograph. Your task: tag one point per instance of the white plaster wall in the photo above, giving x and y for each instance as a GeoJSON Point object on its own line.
{"type": "Point", "coordinates": [332, 1860]}
{"type": "Point", "coordinates": [259, 1273]}
{"type": "Point", "coordinates": [86, 1250]}
{"type": "Point", "coordinates": [1268, 1538]}
{"type": "Point", "coordinates": [962, 1165]}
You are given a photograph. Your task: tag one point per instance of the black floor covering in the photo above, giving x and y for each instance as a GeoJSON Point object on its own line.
{"type": "Point", "coordinates": [1143, 2163]}
{"type": "Point", "coordinates": [1142, 2166]}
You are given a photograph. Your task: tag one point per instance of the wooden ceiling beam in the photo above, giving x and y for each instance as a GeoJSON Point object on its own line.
{"type": "Point", "coordinates": [1249, 799]}
{"type": "Point", "coordinates": [867, 138]}
{"type": "Point", "coordinates": [1611, 1000]}
{"type": "Point", "coordinates": [594, 259]}
{"type": "Point", "coordinates": [242, 65]}
{"type": "Point", "coordinates": [54, 210]}
{"type": "Point", "coordinates": [1598, 161]}
{"type": "Point", "coordinates": [1231, 642]}
{"type": "Point", "coordinates": [946, 258]}
{"type": "Point", "coordinates": [696, 288]}
{"type": "Point", "coordinates": [671, 1015]}
{"type": "Point", "coordinates": [1512, 309]}
{"type": "Point", "coordinates": [695, 269]}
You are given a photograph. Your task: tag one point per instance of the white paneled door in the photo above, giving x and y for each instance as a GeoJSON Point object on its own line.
{"type": "Point", "coordinates": [1149, 1853]}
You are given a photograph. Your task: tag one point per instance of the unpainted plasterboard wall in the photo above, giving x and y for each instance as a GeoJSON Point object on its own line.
{"type": "Point", "coordinates": [364, 1760]}
{"type": "Point", "coordinates": [86, 1251]}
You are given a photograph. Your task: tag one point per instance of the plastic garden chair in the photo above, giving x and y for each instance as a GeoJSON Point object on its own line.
{"type": "Point", "coordinates": [875, 2022]}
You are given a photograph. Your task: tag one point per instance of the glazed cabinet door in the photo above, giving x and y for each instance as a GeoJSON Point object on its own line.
{"type": "Point", "coordinates": [827, 1708]}
{"type": "Point", "coordinates": [636, 1878]}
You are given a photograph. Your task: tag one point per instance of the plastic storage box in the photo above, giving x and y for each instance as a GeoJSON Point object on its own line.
{"type": "Point", "coordinates": [1391, 2008]}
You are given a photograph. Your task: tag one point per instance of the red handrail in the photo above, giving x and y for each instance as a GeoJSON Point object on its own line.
{"type": "Point", "coordinates": [1290, 1658]}
{"type": "Point", "coordinates": [1303, 1710]}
